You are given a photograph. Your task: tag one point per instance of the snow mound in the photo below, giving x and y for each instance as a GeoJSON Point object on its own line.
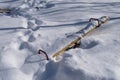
{"type": "Point", "coordinates": [97, 58]}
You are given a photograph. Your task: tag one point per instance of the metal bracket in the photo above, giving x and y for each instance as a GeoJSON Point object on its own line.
{"type": "Point", "coordinates": [41, 51]}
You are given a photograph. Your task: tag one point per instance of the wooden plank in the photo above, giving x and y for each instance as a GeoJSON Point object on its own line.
{"type": "Point", "coordinates": [73, 43]}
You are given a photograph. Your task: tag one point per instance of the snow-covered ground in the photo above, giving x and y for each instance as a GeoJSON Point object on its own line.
{"type": "Point", "coordinates": [34, 25]}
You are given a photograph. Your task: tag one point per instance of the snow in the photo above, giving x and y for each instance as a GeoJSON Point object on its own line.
{"type": "Point", "coordinates": [28, 29]}
{"type": "Point", "coordinates": [8, 22]}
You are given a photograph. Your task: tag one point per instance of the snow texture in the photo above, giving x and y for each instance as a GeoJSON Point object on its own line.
{"type": "Point", "coordinates": [45, 24]}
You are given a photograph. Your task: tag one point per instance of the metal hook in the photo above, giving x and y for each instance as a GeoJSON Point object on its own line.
{"type": "Point", "coordinates": [99, 22]}
{"type": "Point", "coordinates": [39, 52]}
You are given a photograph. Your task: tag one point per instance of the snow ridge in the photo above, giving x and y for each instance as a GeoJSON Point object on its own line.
{"type": "Point", "coordinates": [97, 58]}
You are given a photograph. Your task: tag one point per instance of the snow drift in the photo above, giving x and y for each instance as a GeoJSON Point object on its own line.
{"type": "Point", "coordinates": [97, 58]}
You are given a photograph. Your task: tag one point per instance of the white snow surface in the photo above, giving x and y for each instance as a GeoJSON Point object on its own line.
{"type": "Point", "coordinates": [28, 29]}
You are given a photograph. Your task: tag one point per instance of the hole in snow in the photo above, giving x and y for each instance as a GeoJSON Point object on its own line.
{"type": "Point", "coordinates": [88, 44]}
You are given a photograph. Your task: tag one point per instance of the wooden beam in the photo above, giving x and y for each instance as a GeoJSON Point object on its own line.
{"type": "Point", "coordinates": [85, 31]}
